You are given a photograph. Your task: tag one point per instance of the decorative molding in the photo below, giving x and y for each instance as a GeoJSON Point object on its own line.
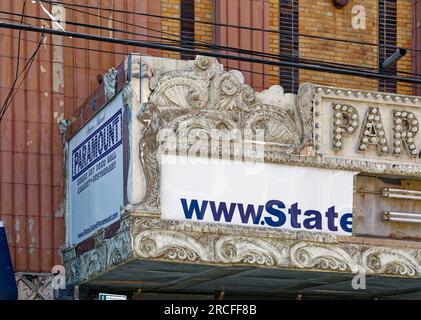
{"type": "Point", "coordinates": [203, 97]}
{"type": "Point", "coordinates": [108, 253]}
{"type": "Point", "coordinates": [169, 245]}
{"type": "Point", "coordinates": [391, 262]}
{"type": "Point", "coordinates": [251, 251]}
{"type": "Point", "coordinates": [34, 286]}
{"type": "Point", "coordinates": [150, 120]}
{"type": "Point", "coordinates": [110, 84]}
{"type": "Point", "coordinates": [127, 94]}
{"type": "Point", "coordinates": [319, 256]}
{"type": "Point", "coordinates": [149, 237]}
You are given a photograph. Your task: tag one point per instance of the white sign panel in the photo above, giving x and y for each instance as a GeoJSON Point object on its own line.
{"type": "Point", "coordinates": [256, 194]}
{"type": "Point", "coordinates": [95, 173]}
{"type": "Point", "coordinates": [107, 296]}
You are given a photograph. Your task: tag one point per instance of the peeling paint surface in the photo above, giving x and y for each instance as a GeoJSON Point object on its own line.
{"type": "Point", "coordinates": [31, 151]}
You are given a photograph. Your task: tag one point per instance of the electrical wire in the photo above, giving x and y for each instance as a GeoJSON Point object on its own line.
{"type": "Point", "coordinates": [67, 5]}
{"type": "Point", "coordinates": [207, 45]}
{"type": "Point", "coordinates": [6, 101]}
{"type": "Point", "coordinates": [124, 54]}
{"type": "Point", "coordinates": [172, 48]}
{"type": "Point", "coordinates": [22, 76]}
{"type": "Point", "coordinates": [213, 46]}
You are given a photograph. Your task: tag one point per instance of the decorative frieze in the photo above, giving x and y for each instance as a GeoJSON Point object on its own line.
{"type": "Point", "coordinates": [151, 238]}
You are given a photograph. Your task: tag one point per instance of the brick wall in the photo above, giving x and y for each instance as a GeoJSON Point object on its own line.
{"type": "Point", "coordinates": [404, 39]}
{"type": "Point", "coordinates": [316, 18]}
{"type": "Point", "coordinates": [321, 18]}
{"type": "Point", "coordinates": [170, 27]}
{"type": "Point", "coordinates": [203, 11]}
{"type": "Point", "coordinates": [274, 39]}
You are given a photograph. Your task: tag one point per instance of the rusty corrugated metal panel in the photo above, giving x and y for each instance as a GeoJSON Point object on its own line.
{"type": "Point", "coordinates": [31, 152]}
{"type": "Point", "coordinates": [245, 13]}
{"type": "Point", "coordinates": [94, 104]}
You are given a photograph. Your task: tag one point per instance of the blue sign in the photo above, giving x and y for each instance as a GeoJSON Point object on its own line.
{"type": "Point", "coordinates": [8, 289]}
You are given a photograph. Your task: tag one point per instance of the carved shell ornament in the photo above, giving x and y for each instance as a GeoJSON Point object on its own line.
{"type": "Point", "coordinates": [208, 87]}
{"type": "Point", "coordinates": [182, 89]}
{"type": "Point", "coordinates": [181, 92]}
{"type": "Point", "coordinates": [202, 98]}
{"type": "Point", "coordinates": [278, 127]}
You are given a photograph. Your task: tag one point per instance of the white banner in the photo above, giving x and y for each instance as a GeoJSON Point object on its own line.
{"type": "Point", "coordinates": [256, 194]}
{"type": "Point", "coordinates": [95, 173]}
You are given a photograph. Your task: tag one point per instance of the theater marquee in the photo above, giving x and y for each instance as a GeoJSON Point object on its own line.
{"type": "Point", "coordinates": [314, 181]}
{"type": "Point", "coordinates": [375, 127]}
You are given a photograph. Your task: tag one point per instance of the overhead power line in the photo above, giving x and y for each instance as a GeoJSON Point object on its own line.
{"type": "Point", "coordinates": [12, 89]}
{"type": "Point", "coordinates": [22, 76]}
{"type": "Point", "coordinates": [207, 45]}
{"type": "Point", "coordinates": [173, 48]}
{"type": "Point", "coordinates": [126, 53]}
{"type": "Point", "coordinates": [214, 24]}
{"type": "Point", "coordinates": [193, 42]}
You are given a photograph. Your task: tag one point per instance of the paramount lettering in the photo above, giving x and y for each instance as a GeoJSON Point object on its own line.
{"type": "Point", "coordinates": [99, 144]}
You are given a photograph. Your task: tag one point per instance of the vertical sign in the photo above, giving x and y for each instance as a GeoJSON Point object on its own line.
{"type": "Point", "coordinates": [95, 173]}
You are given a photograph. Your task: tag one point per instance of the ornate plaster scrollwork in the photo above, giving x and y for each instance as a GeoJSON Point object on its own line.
{"type": "Point", "coordinates": [169, 245]}
{"type": "Point", "coordinates": [150, 120]}
{"type": "Point", "coordinates": [119, 249]}
{"type": "Point", "coordinates": [203, 97]}
{"type": "Point", "coordinates": [392, 262]}
{"type": "Point", "coordinates": [93, 263]}
{"type": "Point", "coordinates": [183, 89]}
{"type": "Point", "coordinates": [148, 237]}
{"type": "Point", "coordinates": [317, 256]}
{"type": "Point", "coordinates": [127, 94]}
{"type": "Point", "coordinates": [305, 99]}
{"type": "Point", "coordinates": [228, 92]}
{"type": "Point", "coordinates": [250, 251]}
{"type": "Point", "coordinates": [110, 84]}
{"type": "Point", "coordinates": [73, 270]}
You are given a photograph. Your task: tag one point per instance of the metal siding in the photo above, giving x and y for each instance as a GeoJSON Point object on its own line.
{"type": "Point", "coordinates": [246, 13]}
{"type": "Point", "coordinates": [31, 151]}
